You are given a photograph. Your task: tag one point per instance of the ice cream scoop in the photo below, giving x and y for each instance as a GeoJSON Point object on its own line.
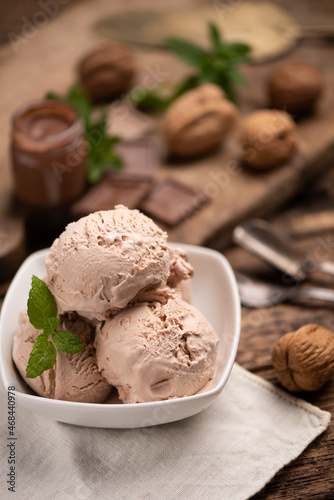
{"type": "Point", "coordinates": [155, 351]}
{"type": "Point", "coordinates": [101, 262]}
{"type": "Point", "coordinates": [74, 377]}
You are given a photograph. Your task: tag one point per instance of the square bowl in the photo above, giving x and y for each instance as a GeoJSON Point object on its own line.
{"type": "Point", "coordinates": [214, 293]}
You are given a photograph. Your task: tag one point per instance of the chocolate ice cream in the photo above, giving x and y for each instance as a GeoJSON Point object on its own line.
{"type": "Point", "coordinates": [74, 377]}
{"type": "Point", "coordinates": [155, 351]}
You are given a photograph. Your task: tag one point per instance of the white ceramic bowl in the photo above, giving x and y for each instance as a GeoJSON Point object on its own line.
{"type": "Point", "coordinates": [214, 293]}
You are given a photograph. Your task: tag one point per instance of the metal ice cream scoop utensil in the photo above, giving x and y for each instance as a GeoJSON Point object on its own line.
{"type": "Point", "coordinates": [261, 238]}
{"type": "Point", "coordinates": [256, 293]}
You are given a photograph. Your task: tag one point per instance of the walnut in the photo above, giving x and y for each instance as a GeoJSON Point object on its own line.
{"type": "Point", "coordinates": [267, 138]}
{"type": "Point", "coordinates": [198, 121]}
{"type": "Point", "coordinates": [304, 360]}
{"type": "Point", "coordinates": [107, 71]}
{"type": "Point", "coordinates": [295, 87]}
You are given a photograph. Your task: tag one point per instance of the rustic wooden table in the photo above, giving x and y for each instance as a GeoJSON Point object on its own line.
{"type": "Point", "coordinates": [46, 62]}
{"type": "Point", "coordinates": [310, 221]}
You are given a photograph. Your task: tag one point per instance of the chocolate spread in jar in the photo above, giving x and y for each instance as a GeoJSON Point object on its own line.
{"type": "Point", "coordinates": [48, 154]}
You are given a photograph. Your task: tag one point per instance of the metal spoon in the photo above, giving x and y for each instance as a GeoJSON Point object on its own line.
{"type": "Point", "coordinates": [255, 293]}
{"type": "Point", "coordinates": [261, 238]}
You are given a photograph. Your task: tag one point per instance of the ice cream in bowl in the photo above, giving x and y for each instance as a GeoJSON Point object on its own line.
{"type": "Point", "coordinates": [149, 354]}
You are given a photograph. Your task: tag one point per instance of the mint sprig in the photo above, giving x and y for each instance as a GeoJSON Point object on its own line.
{"type": "Point", "coordinates": [218, 64]}
{"type": "Point", "coordinates": [41, 304]}
{"type": "Point", "coordinates": [42, 313]}
{"type": "Point", "coordinates": [100, 156]}
{"type": "Point", "coordinates": [42, 357]}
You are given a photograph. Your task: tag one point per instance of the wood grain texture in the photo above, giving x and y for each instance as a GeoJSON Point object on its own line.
{"type": "Point", "coordinates": [47, 61]}
{"type": "Point", "coordinates": [249, 193]}
{"type": "Point", "coordinates": [311, 475]}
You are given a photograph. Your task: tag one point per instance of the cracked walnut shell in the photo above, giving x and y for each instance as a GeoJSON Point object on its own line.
{"type": "Point", "coordinates": [198, 120]}
{"type": "Point", "coordinates": [107, 71]}
{"type": "Point", "coordinates": [304, 360]}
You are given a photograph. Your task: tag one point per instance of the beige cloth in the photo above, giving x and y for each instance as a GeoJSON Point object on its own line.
{"type": "Point", "coordinates": [229, 451]}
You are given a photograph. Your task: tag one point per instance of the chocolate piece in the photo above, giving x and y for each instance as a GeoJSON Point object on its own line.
{"type": "Point", "coordinates": [171, 201]}
{"type": "Point", "coordinates": [127, 186]}
{"type": "Point", "coordinates": [127, 122]}
{"type": "Point", "coordinates": [111, 191]}
{"type": "Point", "coordinates": [139, 157]}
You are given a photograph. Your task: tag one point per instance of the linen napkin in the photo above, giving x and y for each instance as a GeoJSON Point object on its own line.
{"type": "Point", "coordinates": [229, 451]}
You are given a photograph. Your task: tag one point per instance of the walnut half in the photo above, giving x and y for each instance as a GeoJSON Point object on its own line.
{"type": "Point", "coordinates": [304, 360]}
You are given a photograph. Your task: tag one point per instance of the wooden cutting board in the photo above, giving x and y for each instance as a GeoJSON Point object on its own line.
{"type": "Point", "coordinates": [47, 60]}
{"type": "Point", "coordinates": [242, 193]}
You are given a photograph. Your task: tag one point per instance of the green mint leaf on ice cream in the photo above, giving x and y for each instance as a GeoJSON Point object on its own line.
{"type": "Point", "coordinates": [51, 325]}
{"type": "Point", "coordinates": [42, 357]}
{"type": "Point", "coordinates": [66, 341]}
{"type": "Point", "coordinates": [41, 304]}
{"type": "Point", "coordinates": [42, 312]}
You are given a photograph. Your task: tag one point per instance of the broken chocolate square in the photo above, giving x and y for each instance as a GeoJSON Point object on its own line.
{"type": "Point", "coordinates": [111, 191]}
{"type": "Point", "coordinates": [171, 201]}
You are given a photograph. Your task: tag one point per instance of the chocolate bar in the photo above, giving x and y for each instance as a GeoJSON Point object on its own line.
{"type": "Point", "coordinates": [171, 201]}
{"type": "Point", "coordinates": [111, 191]}
{"type": "Point", "coordinates": [139, 157]}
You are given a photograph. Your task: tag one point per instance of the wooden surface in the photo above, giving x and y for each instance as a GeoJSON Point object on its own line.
{"type": "Point", "coordinates": [48, 59]}
{"type": "Point", "coordinates": [47, 63]}
{"type": "Point", "coordinates": [312, 474]}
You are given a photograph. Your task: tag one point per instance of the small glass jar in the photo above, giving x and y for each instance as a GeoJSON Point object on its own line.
{"type": "Point", "coordinates": [48, 154]}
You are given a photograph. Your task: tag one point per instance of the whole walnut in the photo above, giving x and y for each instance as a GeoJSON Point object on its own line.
{"type": "Point", "coordinates": [295, 87]}
{"type": "Point", "coordinates": [304, 360]}
{"type": "Point", "coordinates": [107, 71]}
{"type": "Point", "coordinates": [198, 121]}
{"type": "Point", "coordinates": [267, 138]}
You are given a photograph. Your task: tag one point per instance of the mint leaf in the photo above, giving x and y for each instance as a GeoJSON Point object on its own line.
{"type": "Point", "coordinates": [239, 50]}
{"type": "Point", "coordinates": [188, 52]}
{"type": "Point", "coordinates": [101, 159]}
{"type": "Point", "coordinates": [214, 35]}
{"type": "Point", "coordinates": [52, 96]}
{"type": "Point", "coordinates": [77, 98]}
{"type": "Point", "coordinates": [66, 341]}
{"type": "Point", "coordinates": [42, 312]}
{"type": "Point", "coordinates": [51, 325]}
{"type": "Point", "coordinates": [218, 65]}
{"type": "Point", "coordinates": [149, 100]}
{"type": "Point", "coordinates": [153, 100]}
{"type": "Point", "coordinates": [101, 156]}
{"type": "Point", "coordinates": [41, 303]}
{"type": "Point", "coordinates": [237, 77]}
{"type": "Point", "coordinates": [187, 84]}
{"type": "Point", "coordinates": [42, 356]}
